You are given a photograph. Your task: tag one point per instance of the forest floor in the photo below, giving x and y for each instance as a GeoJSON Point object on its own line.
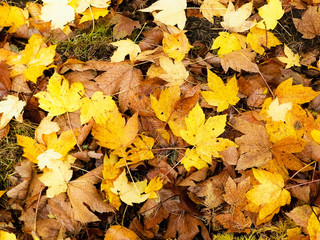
{"type": "Point", "coordinates": [144, 119]}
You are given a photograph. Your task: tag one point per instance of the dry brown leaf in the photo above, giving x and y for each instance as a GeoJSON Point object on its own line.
{"type": "Point", "coordinates": [5, 82]}
{"type": "Point", "coordinates": [230, 155]}
{"type": "Point", "coordinates": [197, 176]}
{"type": "Point", "coordinates": [234, 221]}
{"type": "Point", "coordinates": [300, 215]}
{"type": "Point", "coordinates": [187, 226]}
{"type": "Point", "coordinates": [211, 190]}
{"type": "Point", "coordinates": [254, 146]}
{"type": "Point", "coordinates": [152, 39]}
{"type": "Point", "coordinates": [60, 208]}
{"type": "Point", "coordinates": [123, 26]}
{"type": "Point", "coordinates": [309, 24]}
{"type": "Point", "coordinates": [83, 193]}
{"type": "Point", "coordinates": [236, 191]}
{"type": "Point", "coordinates": [242, 59]}
{"type": "Point", "coordinates": [118, 232]}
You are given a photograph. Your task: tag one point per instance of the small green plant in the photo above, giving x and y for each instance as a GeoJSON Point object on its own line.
{"type": "Point", "coordinates": [89, 44]}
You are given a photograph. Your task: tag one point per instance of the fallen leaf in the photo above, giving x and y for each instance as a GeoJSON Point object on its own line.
{"type": "Point", "coordinates": [92, 14]}
{"type": "Point", "coordinates": [82, 5]}
{"type": "Point", "coordinates": [254, 146]}
{"type": "Point", "coordinates": [227, 43]}
{"type": "Point", "coordinates": [33, 60]}
{"type": "Point", "coordinates": [210, 8]}
{"type": "Point", "coordinates": [314, 225]}
{"type": "Point", "coordinates": [12, 16]}
{"type": "Point", "coordinates": [187, 226]}
{"type": "Point", "coordinates": [221, 95]}
{"type": "Point", "coordinates": [203, 135]}
{"type": "Point", "coordinates": [115, 133]}
{"type": "Point", "coordinates": [235, 191]}
{"type": "Point", "coordinates": [175, 43]}
{"type": "Point", "coordinates": [259, 39]}
{"type": "Point", "coordinates": [267, 197]}
{"type": "Point", "coordinates": [7, 236]}
{"type": "Point", "coordinates": [58, 12]}
{"type": "Point", "coordinates": [240, 60]}
{"type": "Point", "coordinates": [291, 58]}
{"type": "Point", "coordinates": [129, 192]}
{"type": "Point", "coordinates": [164, 106]}
{"type": "Point", "coordinates": [309, 24]}
{"type": "Point", "coordinates": [300, 215]}
{"type": "Point", "coordinates": [286, 92]}
{"type": "Point", "coordinates": [174, 73]}
{"type": "Point", "coordinates": [171, 13]}
{"type": "Point", "coordinates": [277, 111]}
{"type": "Point", "coordinates": [11, 107]}
{"type": "Point", "coordinates": [124, 26]}
{"type": "Point", "coordinates": [60, 97]}
{"type": "Point", "coordinates": [45, 127]}
{"type": "Point", "coordinates": [125, 47]}
{"type": "Point", "coordinates": [270, 14]}
{"type": "Point", "coordinates": [5, 82]}
{"type": "Point", "coordinates": [83, 193]}
{"type": "Point", "coordinates": [98, 108]}
{"type": "Point", "coordinates": [118, 232]}
{"type": "Point", "coordinates": [236, 20]}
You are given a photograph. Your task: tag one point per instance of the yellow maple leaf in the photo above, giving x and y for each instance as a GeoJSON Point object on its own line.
{"type": "Point", "coordinates": [98, 108]}
{"type": "Point", "coordinates": [221, 95]}
{"type": "Point", "coordinates": [7, 236]}
{"type": "Point", "coordinates": [267, 197]}
{"type": "Point", "coordinates": [210, 8]}
{"type": "Point", "coordinates": [11, 16]}
{"type": "Point", "coordinates": [62, 144]}
{"type": "Point", "coordinates": [110, 173]}
{"type": "Point", "coordinates": [164, 107]}
{"type": "Point", "coordinates": [11, 107]}
{"type": "Point", "coordinates": [59, 12]}
{"type": "Point", "coordinates": [286, 92]}
{"type": "Point", "coordinates": [139, 150]}
{"type": "Point", "coordinates": [258, 39]}
{"type": "Point", "coordinates": [59, 97]}
{"type": "Point", "coordinates": [175, 44]}
{"type": "Point", "coordinates": [129, 192]}
{"type": "Point", "coordinates": [291, 59]}
{"type": "Point", "coordinates": [83, 5]}
{"type": "Point", "coordinates": [203, 135]}
{"type": "Point", "coordinates": [33, 60]}
{"type": "Point", "coordinates": [115, 133]}
{"type": "Point", "coordinates": [48, 159]}
{"type": "Point", "coordinates": [172, 12]}
{"type": "Point", "coordinates": [276, 111]}
{"type": "Point", "coordinates": [154, 185]}
{"type": "Point", "coordinates": [93, 14]}
{"type": "Point", "coordinates": [270, 14]}
{"type": "Point", "coordinates": [314, 225]}
{"type": "Point", "coordinates": [226, 42]}
{"type": "Point", "coordinates": [45, 127]}
{"type": "Point", "coordinates": [174, 73]}
{"type": "Point", "coordinates": [31, 149]}
{"type": "Point", "coordinates": [56, 178]}
{"type": "Point", "coordinates": [236, 20]}
{"type": "Point", "coordinates": [125, 47]}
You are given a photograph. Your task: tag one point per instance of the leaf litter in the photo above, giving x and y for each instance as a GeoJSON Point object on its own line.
{"type": "Point", "coordinates": [152, 121]}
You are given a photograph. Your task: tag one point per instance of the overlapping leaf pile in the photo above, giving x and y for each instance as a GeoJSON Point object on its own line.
{"type": "Point", "coordinates": [140, 141]}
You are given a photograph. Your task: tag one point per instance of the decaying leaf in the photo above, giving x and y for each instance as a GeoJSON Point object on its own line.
{"type": "Point", "coordinates": [254, 146]}
{"type": "Point", "coordinates": [309, 24]}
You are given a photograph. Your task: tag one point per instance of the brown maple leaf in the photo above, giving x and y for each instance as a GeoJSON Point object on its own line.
{"type": "Point", "coordinates": [309, 24]}
{"type": "Point", "coordinates": [254, 146]}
